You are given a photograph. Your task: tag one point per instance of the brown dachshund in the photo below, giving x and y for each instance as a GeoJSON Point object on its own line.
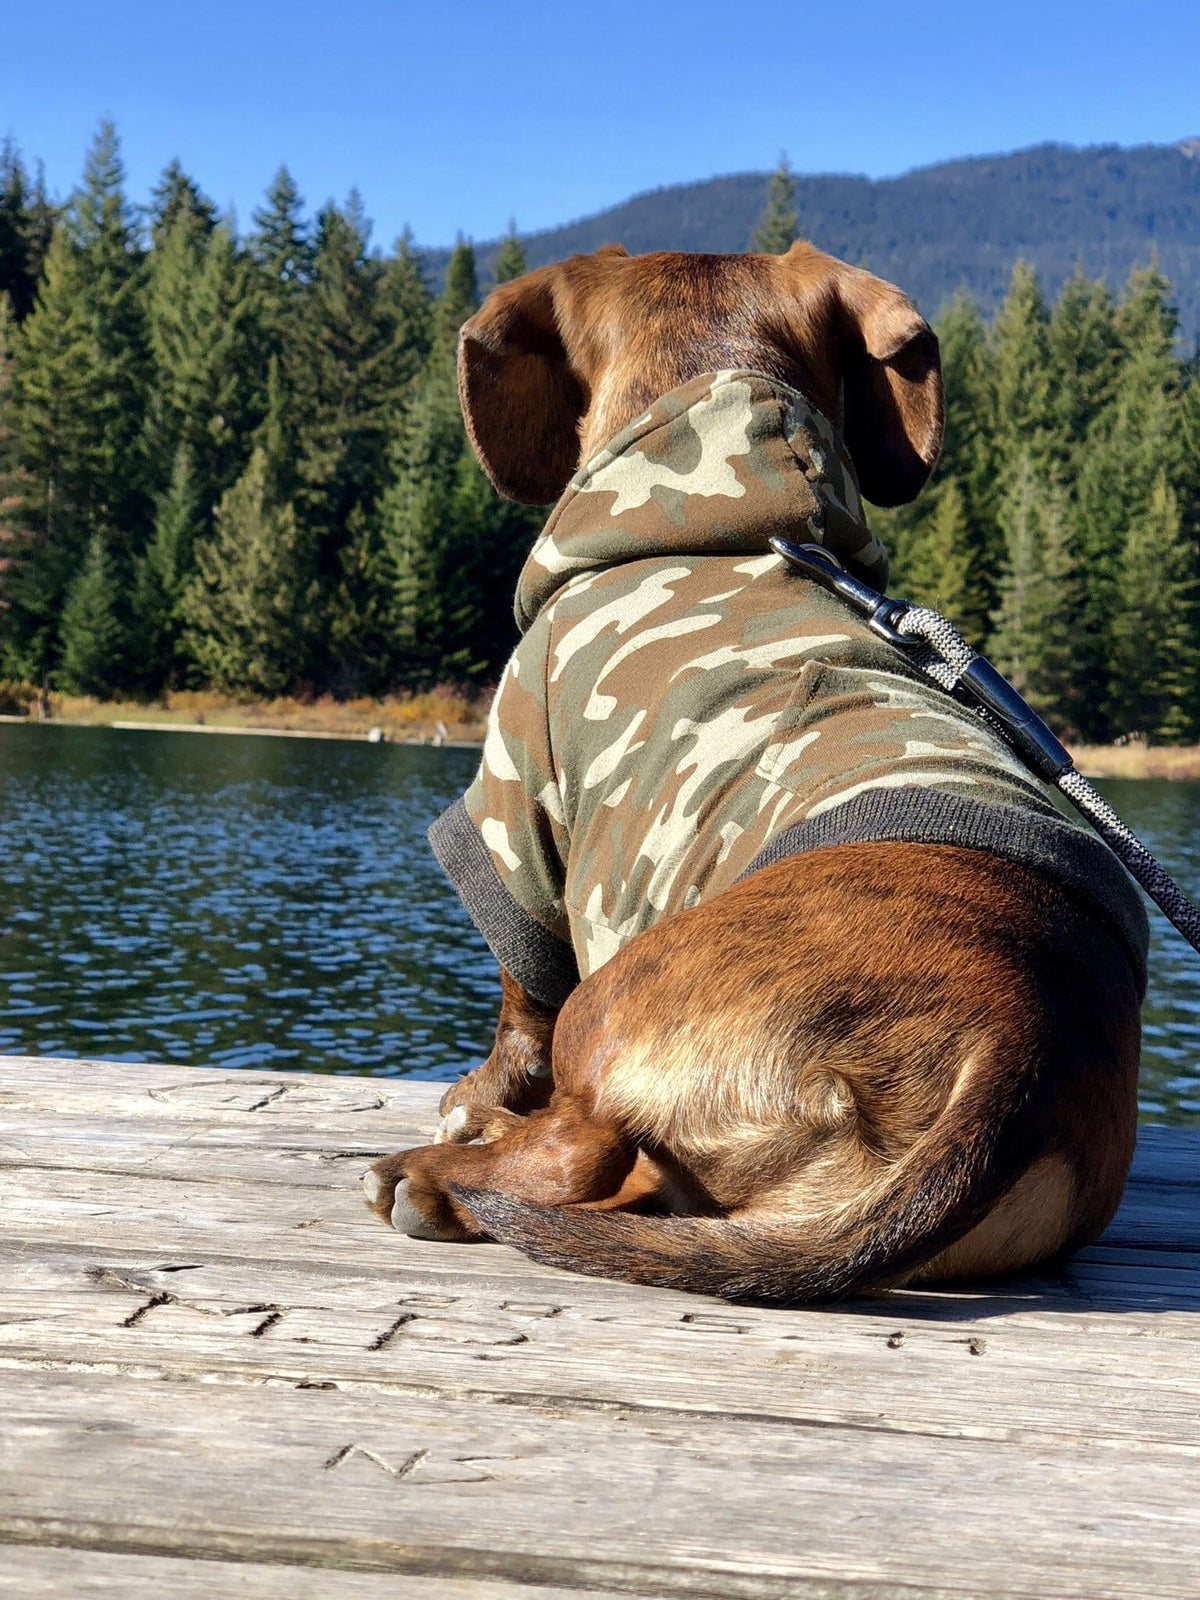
{"type": "Point", "coordinates": [882, 1060]}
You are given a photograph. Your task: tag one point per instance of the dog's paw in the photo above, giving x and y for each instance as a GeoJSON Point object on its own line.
{"type": "Point", "coordinates": [476, 1125]}
{"type": "Point", "coordinates": [454, 1127]}
{"type": "Point", "coordinates": [379, 1186]}
{"type": "Point", "coordinates": [388, 1190]}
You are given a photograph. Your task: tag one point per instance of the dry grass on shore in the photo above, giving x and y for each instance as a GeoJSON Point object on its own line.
{"type": "Point", "coordinates": [1179, 762]}
{"type": "Point", "coordinates": [448, 715]}
{"type": "Point", "coordinates": [444, 714]}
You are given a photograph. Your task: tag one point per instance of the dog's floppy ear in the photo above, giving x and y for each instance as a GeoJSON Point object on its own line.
{"type": "Point", "coordinates": [520, 400]}
{"type": "Point", "coordinates": [891, 371]}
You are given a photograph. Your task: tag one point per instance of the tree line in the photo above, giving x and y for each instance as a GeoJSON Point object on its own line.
{"type": "Point", "coordinates": [236, 461]}
{"type": "Point", "coordinates": [1061, 526]}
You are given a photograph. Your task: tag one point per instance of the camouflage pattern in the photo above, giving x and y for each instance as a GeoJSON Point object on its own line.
{"type": "Point", "coordinates": [712, 468]}
{"type": "Point", "coordinates": [679, 698]}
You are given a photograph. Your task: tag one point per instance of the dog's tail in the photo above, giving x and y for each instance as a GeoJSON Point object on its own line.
{"type": "Point", "coordinates": [947, 1182]}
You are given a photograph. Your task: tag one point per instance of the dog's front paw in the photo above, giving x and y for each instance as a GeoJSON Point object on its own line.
{"type": "Point", "coordinates": [519, 1086]}
{"type": "Point", "coordinates": [471, 1124]}
{"type": "Point", "coordinates": [454, 1128]}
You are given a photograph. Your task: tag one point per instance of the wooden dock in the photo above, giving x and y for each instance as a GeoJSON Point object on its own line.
{"type": "Point", "coordinates": [219, 1375]}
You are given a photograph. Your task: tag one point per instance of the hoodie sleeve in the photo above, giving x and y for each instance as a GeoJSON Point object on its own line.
{"type": "Point", "coordinates": [504, 844]}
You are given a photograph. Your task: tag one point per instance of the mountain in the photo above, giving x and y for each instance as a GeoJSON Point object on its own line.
{"type": "Point", "coordinates": [958, 223]}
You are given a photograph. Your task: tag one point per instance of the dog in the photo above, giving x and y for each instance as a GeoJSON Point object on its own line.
{"type": "Point", "coordinates": [808, 987]}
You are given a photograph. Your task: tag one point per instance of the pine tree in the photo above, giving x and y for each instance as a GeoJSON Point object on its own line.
{"type": "Point", "coordinates": [344, 382]}
{"type": "Point", "coordinates": [281, 247]}
{"type": "Point", "coordinates": [1037, 641]}
{"type": "Point", "coordinates": [361, 645]}
{"type": "Point", "coordinates": [282, 251]}
{"type": "Point", "coordinates": [1188, 476]}
{"type": "Point", "coordinates": [26, 222]}
{"type": "Point", "coordinates": [509, 261]}
{"type": "Point", "coordinates": [159, 577]}
{"type": "Point", "coordinates": [248, 610]}
{"type": "Point", "coordinates": [201, 314]}
{"type": "Point", "coordinates": [1136, 439]}
{"type": "Point", "coordinates": [940, 571]}
{"type": "Point", "coordinates": [41, 219]}
{"type": "Point", "coordinates": [349, 381]}
{"type": "Point", "coordinates": [275, 436]}
{"type": "Point", "coordinates": [429, 529]}
{"type": "Point", "coordinates": [102, 228]}
{"type": "Point", "coordinates": [969, 453]}
{"type": "Point", "coordinates": [79, 393]}
{"type": "Point", "coordinates": [415, 527]}
{"type": "Point", "coordinates": [451, 545]}
{"type": "Point", "coordinates": [92, 637]}
{"type": "Point", "coordinates": [1021, 366]}
{"type": "Point", "coordinates": [968, 462]}
{"type": "Point", "coordinates": [776, 231]}
{"type": "Point", "coordinates": [1155, 662]}
{"type": "Point", "coordinates": [407, 304]}
{"type": "Point", "coordinates": [18, 543]}
{"type": "Point", "coordinates": [55, 416]}
{"type": "Point", "coordinates": [460, 296]}
{"type": "Point", "coordinates": [1083, 350]}
{"type": "Point", "coordinates": [175, 195]}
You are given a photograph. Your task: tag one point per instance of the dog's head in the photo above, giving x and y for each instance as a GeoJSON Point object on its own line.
{"type": "Point", "coordinates": [559, 360]}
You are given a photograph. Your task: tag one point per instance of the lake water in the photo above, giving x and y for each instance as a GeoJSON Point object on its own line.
{"type": "Point", "coordinates": [258, 902]}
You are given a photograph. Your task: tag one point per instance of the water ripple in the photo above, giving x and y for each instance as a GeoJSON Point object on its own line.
{"type": "Point", "coordinates": [241, 902]}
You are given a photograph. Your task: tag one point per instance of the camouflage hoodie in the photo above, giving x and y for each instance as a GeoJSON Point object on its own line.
{"type": "Point", "coordinates": [683, 708]}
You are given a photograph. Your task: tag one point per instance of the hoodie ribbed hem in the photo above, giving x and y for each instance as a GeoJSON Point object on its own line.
{"type": "Point", "coordinates": [540, 962]}
{"type": "Point", "coordinates": [1079, 862]}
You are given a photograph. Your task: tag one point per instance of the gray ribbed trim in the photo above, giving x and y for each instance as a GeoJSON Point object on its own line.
{"type": "Point", "coordinates": [539, 961]}
{"type": "Point", "coordinates": [1079, 861]}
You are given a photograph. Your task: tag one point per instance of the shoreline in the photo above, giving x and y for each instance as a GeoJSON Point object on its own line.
{"type": "Point", "coordinates": [440, 717]}
{"type": "Point", "coordinates": [383, 722]}
{"type": "Point", "coordinates": [418, 736]}
{"type": "Point", "coordinates": [1174, 763]}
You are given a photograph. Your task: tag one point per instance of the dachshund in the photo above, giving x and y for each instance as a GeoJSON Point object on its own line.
{"type": "Point", "coordinates": [896, 1041]}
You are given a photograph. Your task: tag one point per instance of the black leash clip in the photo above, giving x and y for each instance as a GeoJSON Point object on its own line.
{"type": "Point", "coordinates": [977, 683]}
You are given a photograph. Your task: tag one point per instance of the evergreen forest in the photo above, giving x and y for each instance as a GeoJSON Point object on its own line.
{"type": "Point", "coordinates": [235, 461]}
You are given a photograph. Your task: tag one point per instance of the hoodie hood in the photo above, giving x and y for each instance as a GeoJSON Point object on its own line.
{"type": "Point", "coordinates": [713, 468]}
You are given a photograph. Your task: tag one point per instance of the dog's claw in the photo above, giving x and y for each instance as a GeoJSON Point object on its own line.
{"type": "Point", "coordinates": [407, 1219]}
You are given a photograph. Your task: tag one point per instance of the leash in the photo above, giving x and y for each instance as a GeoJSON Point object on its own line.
{"type": "Point", "coordinates": [937, 649]}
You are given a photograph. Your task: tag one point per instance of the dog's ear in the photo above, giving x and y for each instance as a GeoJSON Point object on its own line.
{"type": "Point", "coordinates": [891, 372]}
{"type": "Point", "coordinates": [520, 400]}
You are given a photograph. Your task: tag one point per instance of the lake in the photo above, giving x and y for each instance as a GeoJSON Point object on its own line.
{"type": "Point", "coordinates": [258, 902]}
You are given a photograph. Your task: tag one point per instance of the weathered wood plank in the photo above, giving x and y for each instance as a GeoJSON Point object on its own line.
{"type": "Point", "coordinates": [611, 1499]}
{"type": "Point", "coordinates": [896, 1372]}
{"type": "Point", "coordinates": [197, 1315]}
{"type": "Point", "coordinates": [33, 1572]}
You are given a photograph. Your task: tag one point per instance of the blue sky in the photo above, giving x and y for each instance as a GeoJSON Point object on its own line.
{"type": "Point", "coordinates": [460, 114]}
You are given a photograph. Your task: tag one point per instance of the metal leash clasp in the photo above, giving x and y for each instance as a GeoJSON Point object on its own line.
{"type": "Point", "coordinates": [976, 684]}
{"type": "Point", "coordinates": [815, 562]}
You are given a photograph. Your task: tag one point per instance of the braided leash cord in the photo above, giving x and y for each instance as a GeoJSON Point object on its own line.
{"type": "Point", "coordinates": [1129, 849]}
{"type": "Point", "coordinates": [944, 655]}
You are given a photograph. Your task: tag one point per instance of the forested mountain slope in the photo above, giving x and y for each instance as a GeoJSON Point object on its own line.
{"type": "Point", "coordinates": [960, 223]}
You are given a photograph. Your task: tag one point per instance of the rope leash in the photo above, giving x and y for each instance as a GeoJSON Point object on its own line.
{"type": "Point", "coordinates": [937, 649]}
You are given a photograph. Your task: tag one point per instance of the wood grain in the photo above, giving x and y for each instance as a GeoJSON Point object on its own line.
{"type": "Point", "coordinates": [216, 1368]}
